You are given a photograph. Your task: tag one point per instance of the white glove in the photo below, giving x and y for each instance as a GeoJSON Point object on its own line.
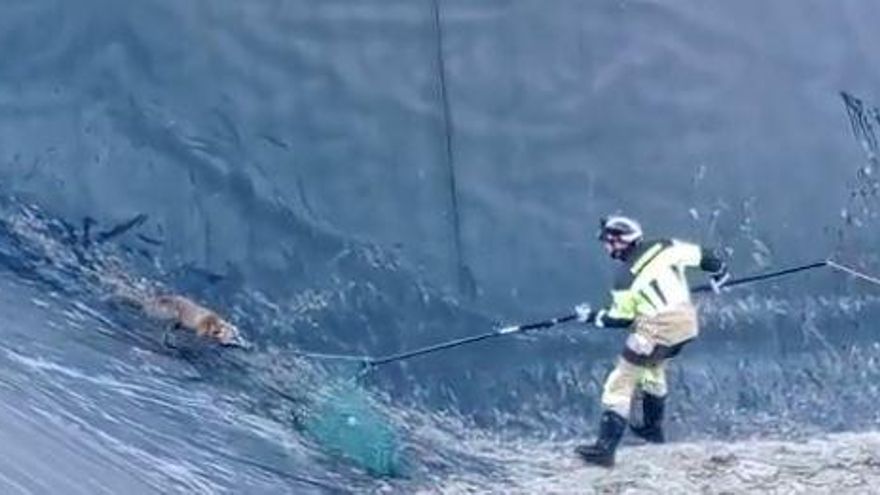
{"type": "Point", "coordinates": [717, 281]}
{"type": "Point", "coordinates": [584, 312]}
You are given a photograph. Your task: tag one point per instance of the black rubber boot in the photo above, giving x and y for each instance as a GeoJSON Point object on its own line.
{"type": "Point", "coordinates": [601, 453]}
{"type": "Point", "coordinates": [652, 419]}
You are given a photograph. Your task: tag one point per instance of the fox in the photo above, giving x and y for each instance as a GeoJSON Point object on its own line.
{"type": "Point", "coordinates": [183, 312]}
{"type": "Point", "coordinates": [179, 312]}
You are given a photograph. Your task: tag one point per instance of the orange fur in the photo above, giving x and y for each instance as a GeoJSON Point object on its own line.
{"type": "Point", "coordinates": [180, 310]}
{"type": "Point", "coordinates": [189, 314]}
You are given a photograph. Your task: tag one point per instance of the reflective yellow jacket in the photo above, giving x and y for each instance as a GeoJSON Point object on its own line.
{"type": "Point", "coordinates": [652, 280]}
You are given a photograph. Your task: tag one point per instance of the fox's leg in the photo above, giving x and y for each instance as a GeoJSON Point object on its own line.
{"type": "Point", "coordinates": [170, 327]}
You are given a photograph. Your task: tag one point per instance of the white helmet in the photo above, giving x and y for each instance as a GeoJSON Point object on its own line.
{"type": "Point", "coordinates": [620, 228]}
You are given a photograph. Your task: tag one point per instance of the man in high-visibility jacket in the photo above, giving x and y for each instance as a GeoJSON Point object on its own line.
{"type": "Point", "coordinates": [651, 297]}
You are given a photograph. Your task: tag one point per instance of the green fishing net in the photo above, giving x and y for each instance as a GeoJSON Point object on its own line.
{"type": "Point", "coordinates": [345, 421]}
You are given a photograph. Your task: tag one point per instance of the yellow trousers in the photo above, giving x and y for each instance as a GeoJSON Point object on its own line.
{"type": "Point", "coordinates": [653, 341]}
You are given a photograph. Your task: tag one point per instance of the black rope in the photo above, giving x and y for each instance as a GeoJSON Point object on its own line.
{"type": "Point", "coordinates": [465, 286]}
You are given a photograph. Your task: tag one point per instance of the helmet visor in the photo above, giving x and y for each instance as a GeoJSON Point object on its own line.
{"type": "Point", "coordinates": [613, 231]}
